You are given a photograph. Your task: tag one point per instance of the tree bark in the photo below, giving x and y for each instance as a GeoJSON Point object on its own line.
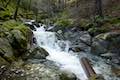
{"type": "Point", "coordinates": [98, 5]}
{"type": "Point", "coordinates": [30, 5]}
{"type": "Point", "coordinates": [16, 11]}
{"type": "Point", "coordinates": [77, 3]}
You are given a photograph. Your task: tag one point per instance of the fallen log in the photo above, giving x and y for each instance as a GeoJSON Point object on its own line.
{"type": "Point", "coordinates": [90, 73]}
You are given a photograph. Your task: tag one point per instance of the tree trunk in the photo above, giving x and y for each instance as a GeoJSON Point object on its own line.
{"type": "Point", "coordinates": [98, 4]}
{"type": "Point", "coordinates": [30, 5]}
{"type": "Point", "coordinates": [16, 11]}
{"type": "Point", "coordinates": [77, 3]}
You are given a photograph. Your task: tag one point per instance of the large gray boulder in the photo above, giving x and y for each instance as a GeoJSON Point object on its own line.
{"type": "Point", "coordinates": [80, 40]}
{"type": "Point", "coordinates": [106, 42]}
{"type": "Point", "coordinates": [107, 45]}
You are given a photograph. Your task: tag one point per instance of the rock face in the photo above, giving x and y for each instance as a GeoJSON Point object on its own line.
{"type": "Point", "coordinates": [16, 41]}
{"type": "Point", "coordinates": [80, 40]}
{"type": "Point", "coordinates": [107, 45]}
{"type": "Point", "coordinates": [6, 50]}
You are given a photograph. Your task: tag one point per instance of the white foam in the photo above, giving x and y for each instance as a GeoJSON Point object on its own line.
{"type": "Point", "coordinates": [66, 60]}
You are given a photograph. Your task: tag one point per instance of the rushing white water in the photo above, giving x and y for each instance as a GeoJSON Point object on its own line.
{"type": "Point", "coordinates": [58, 52]}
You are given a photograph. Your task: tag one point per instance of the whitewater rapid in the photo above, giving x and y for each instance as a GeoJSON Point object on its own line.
{"type": "Point", "coordinates": [58, 52]}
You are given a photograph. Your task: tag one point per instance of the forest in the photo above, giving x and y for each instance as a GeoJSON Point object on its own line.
{"type": "Point", "coordinates": [59, 39]}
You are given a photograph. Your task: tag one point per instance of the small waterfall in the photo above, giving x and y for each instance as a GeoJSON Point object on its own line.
{"type": "Point", "coordinates": [58, 52]}
{"type": "Point", "coordinates": [67, 60]}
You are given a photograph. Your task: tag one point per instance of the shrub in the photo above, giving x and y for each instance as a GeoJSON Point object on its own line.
{"type": "Point", "coordinates": [64, 22]}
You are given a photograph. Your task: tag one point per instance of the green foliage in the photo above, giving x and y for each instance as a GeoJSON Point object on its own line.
{"type": "Point", "coordinates": [85, 23]}
{"type": "Point", "coordinates": [115, 21]}
{"type": "Point", "coordinates": [6, 14]}
{"type": "Point", "coordinates": [64, 22]}
{"type": "Point", "coordinates": [43, 16]}
{"type": "Point", "coordinates": [96, 31]}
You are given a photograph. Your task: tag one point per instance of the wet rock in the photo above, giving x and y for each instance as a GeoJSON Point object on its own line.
{"type": "Point", "coordinates": [116, 71]}
{"type": "Point", "coordinates": [107, 42]}
{"type": "Point", "coordinates": [75, 49]}
{"type": "Point", "coordinates": [99, 47]}
{"type": "Point", "coordinates": [79, 39]}
{"type": "Point", "coordinates": [38, 53]}
{"type": "Point", "coordinates": [107, 45]}
{"type": "Point", "coordinates": [68, 76]}
{"type": "Point", "coordinates": [31, 27]}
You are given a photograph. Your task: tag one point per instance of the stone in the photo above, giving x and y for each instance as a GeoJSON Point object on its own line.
{"type": "Point", "coordinates": [42, 72]}
{"type": "Point", "coordinates": [99, 47]}
{"type": "Point", "coordinates": [66, 75]}
{"type": "Point", "coordinates": [78, 39]}
{"type": "Point", "coordinates": [20, 42]}
{"type": "Point", "coordinates": [6, 50]}
{"type": "Point", "coordinates": [107, 45]}
{"type": "Point", "coordinates": [116, 71]}
{"type": "Point", "coordinates": [3, 61]}
{"type": "Point", "coordinates": [38, 53]}
{"type": "Point", "coordinates": [106, 42]}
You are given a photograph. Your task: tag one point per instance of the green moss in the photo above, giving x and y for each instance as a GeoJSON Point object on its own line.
{"type": "Point", "coordinates": [6, 13]}
{"type": "Point", "coordinates": [10, 25]}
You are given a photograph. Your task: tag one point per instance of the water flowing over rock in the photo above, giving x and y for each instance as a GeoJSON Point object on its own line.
{"type": "Point", "coordinates": [50, 58]}
{"type": "Point", "coordinates": [58, 52]}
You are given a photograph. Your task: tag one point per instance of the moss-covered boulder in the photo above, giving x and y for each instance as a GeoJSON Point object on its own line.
{"type": "Point", "coordinates": [15, 40]}
{"type": "Point", "coordinates": [20, 42]}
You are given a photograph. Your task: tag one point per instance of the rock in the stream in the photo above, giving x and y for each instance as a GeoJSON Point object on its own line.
{"type": "Point", "coordinates": [68, 76]}
{"type": "Point", "coordinates": [80, 40]}
{"type": "Point", "coordinates": [107, 45]}
{"type": "Point", "coordinates": [39, 53]}
{"type": "Point", "coordinates": [107, 42]}
{"type": "Point", "coordinates": [116, 71]}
